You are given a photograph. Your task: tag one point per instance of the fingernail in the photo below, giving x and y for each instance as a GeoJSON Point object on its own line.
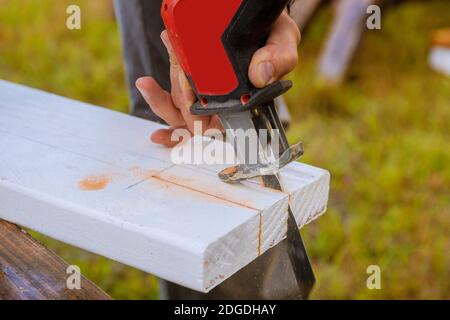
{"type": "Point", "coordinates": [266, 72]}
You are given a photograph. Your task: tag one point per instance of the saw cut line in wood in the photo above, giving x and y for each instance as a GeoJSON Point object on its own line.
{"type": "Point", "coordinates": [89, 177]}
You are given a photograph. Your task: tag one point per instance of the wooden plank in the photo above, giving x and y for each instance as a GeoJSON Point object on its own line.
{"type": "Point", "coordinates": [29, 271]}
{"type": "Point", "coordinates": [89, 176]}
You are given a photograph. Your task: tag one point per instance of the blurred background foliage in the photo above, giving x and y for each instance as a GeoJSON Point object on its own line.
{"type": "Point", "coordinates": [384, 136]}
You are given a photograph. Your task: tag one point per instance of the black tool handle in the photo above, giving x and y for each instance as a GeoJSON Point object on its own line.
{"type": "Point", "coordinates": [248, 32]}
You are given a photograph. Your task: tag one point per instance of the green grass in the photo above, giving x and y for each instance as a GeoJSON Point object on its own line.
{"type": "Point", "coordinates": [384, 136]}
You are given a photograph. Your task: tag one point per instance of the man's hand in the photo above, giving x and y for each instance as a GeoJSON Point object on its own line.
{"type": "Point", "coordinates": [269, 64]}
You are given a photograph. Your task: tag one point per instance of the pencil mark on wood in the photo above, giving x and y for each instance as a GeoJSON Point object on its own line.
{"type": "Point", "coordinates": [136, 184]}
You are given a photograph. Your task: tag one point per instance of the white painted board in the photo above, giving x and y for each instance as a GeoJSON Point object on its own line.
{"type": "Point", "coordinates": [90, 177]}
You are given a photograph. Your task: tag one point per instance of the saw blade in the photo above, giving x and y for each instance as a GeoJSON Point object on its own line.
{"type": "Point", "coordinates": [266, 118]}
{"type": "Point", "coordinates": [301, 265]}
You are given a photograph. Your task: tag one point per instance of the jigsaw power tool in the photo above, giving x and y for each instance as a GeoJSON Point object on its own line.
{"type": "Point", "coordinates": [214, 41]}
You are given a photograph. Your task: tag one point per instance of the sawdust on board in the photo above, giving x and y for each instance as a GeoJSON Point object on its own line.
{"type": "Point", "coordinates": [142, 173]}
{"type": "Point", "coordinates": [94, 183]}
{"type": "Point", "coordinates": [204, 187]}
{"type": "Point", "coordinates": [100, 181]}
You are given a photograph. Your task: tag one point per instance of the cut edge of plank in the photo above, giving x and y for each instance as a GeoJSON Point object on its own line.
{"type": "Point", "coordinates": [311, 210]}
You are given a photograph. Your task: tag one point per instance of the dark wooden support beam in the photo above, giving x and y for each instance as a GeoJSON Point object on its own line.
{"type": "Point", "coordinates": [29, 271]}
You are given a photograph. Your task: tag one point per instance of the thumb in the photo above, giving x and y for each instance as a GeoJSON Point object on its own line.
{"type": "Point", "coordinates": [279, 56]}
{"type": "Point", "coordinates": [271, 63]}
